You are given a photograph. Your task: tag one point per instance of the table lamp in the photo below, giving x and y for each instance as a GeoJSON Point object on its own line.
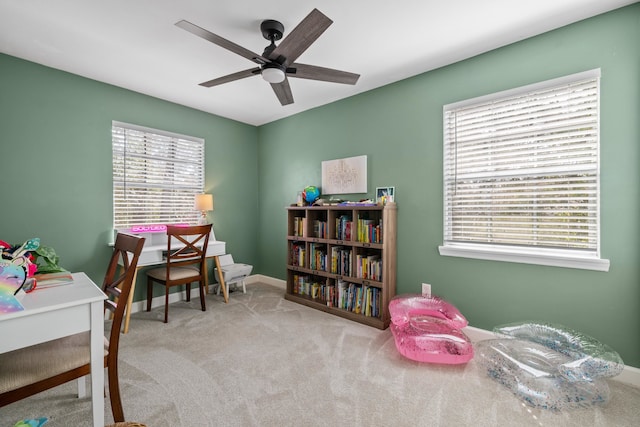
{"type": "Point", "coordinates": [203, 203]}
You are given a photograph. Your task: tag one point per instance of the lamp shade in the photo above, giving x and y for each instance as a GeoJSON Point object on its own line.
{"type": "Point", "coordinates": [204, 202]}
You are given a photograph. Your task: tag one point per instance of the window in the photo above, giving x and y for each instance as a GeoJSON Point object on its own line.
{"type": "Point", "coordinates": [521, 175]}
{"type": "Point", "coordinates": [156, 176]}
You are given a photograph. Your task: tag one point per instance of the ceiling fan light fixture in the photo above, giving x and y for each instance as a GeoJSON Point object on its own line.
{"type": "Point", "coordinates": [273, 74]}
{"type": "Point", "coordinates": [277, 63]}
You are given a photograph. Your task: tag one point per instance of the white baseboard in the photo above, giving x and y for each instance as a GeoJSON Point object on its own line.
{"type": "Point", "coordinates": [630, 375]}
{"type": "Point", "coordinates": [260, 278]}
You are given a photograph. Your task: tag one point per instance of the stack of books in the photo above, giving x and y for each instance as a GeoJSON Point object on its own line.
{"type": "Point", "coordinates": [45, 280]}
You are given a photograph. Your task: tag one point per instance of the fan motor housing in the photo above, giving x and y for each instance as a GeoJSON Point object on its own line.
{"type": "Point", "coordinates": [271, 29]}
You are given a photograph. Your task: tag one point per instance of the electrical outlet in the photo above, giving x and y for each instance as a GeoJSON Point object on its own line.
{"type": "Point", "coordinates": [426, 290]}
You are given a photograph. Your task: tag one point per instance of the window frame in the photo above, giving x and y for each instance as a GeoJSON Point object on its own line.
{"type": "Point", "coordinates": [571, 258]}
{"type": "Point", "coordinates": [164, 184]}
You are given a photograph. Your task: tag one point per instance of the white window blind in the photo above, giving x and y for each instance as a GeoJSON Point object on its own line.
{"type": "Point", "coordinates": [521, 170]}
{"type": "Point", "coordinates": [156, 176]}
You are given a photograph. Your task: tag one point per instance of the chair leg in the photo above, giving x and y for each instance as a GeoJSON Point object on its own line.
{"type": "Point", "coordinates": [244, 288]}
{"type": "Point", "coordinates": [187, 289]}
{"type": "Point", "coordinates": [114, 393]}
{"type": "Point", "coordinates": [82, 388]}
{"type": "Point", "coordinates": [149, 293]}
{"type": "Point", "coordinates": [202, 303]}
{"type": "Point", "coordinates": [166, 305]}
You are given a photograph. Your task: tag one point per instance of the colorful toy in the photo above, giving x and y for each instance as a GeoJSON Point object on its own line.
{"type": "Point", "coordinates": [12, 277]}
{"type": "Point", "coordinates": [23, 253]}
{"type": "Point", "coordinates": [42, 259]}
{"type": "Point", "coordinates": [37, 422]}
{"type": "Point", "coordinates": [16, 272]}
{"type": "Point", "coordinates": [428, 329]}
{"type": "Point", "coordinates": [549, 366]}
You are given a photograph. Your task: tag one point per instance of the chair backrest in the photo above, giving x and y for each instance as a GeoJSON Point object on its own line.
{"type": "Point", "coordinates": [118, 280]}
{"type": "Point", "coordinates": [187, 246]}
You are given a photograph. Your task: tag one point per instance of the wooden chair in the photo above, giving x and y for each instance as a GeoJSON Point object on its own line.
{"type": "Point", "coordinates": [41, 367]}
{"type": "Point", "coordinates": [186, 263]}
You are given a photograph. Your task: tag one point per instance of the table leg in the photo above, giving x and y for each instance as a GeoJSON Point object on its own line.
{"type": "Point", "coordinates": [127, 310]}
{"type": "Point", "coordinates": [221, 280]}
{"type": "Point", "coordinates": [97, 362]}
{"type": "Point", "coordinates": [206, 276]}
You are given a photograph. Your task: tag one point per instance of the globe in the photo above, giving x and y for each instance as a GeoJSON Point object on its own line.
{"type": "Point", "coordinates": [311, 194]}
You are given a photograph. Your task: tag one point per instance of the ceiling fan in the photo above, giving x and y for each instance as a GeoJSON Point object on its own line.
{"type": "Point", "coordinates": [278, 62]}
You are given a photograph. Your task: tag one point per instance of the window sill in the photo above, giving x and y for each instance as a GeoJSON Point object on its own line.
{"type": "Point", "coordinates": [549, 257]}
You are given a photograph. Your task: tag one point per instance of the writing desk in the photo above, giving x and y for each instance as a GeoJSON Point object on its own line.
{"type": "Point", "coordinates": [56, 312]}
{"type": "Point", "coordinates": [153, 253]}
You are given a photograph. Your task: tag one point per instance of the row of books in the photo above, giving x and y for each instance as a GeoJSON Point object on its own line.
{"type": "Point", "coordinates": [365, 266]}
{"type": "Point", "coordinates": [298, 253]}
{"type": "Point", "coordinates": [369, 267]}
{"type": "Point", "coordinates": [341, 260]}
{"type": "Point", "coordinates": [299, 224]}
{"type": "Point", "coordinates": [318, 260]}
{"type": "Point", "coordinates": [302, 285]}
{"type": "Point", "coordinates": [369, 230]}
{"type": "Point", "coordinates": [343, 227]}
{"type": "Point", "coordinates": [359, 299]}
{"type": "Point", "coordinates": [320, 229]}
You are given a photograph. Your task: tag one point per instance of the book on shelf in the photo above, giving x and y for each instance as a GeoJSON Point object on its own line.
{"type": "Point", "coordinates": [341, 260]}
{"type": "Point", "coordinates": [301, 284]}
{"type": "Point", "coordinates": [318, 257]}
{"type": "Point", "coordinates": [369, 230]}
{"type": "Point", "coordinates": [297, 255]}
{"type": "Point", "coordinates": [369, 267]}
{"type": "Point", "coordinates": [315, 290]}
{"type": "Point", "coordinates": [320, 229]}
{"type": "Point", "coordinates": [45, 280]}
{"type": "Point", "coordinates": [299, 224]}
{"type": "Point", "coordinates": [343, 227]}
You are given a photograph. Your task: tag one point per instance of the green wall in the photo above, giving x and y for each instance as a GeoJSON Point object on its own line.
{"type": "Point", "coordinates": [399, 128]}
{"type": "Point", "coordinates": [55, 163]}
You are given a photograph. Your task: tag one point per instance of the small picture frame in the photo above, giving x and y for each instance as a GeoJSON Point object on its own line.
{"type": "Point", "coordinates": [385, 195]}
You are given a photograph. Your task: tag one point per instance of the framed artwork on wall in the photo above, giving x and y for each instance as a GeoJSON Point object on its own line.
{"type": "Point", "coordinates": [344, 176]}
{"type": "Point", "coordinates": [385, 195]}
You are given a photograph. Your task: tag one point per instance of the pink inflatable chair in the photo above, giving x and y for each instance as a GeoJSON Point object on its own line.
{"type": "Point", "coordinates": [427, 329]}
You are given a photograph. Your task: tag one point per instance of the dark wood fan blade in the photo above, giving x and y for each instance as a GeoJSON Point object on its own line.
{"type": "Point", "coordinates": [302, 36]}
{"type": "Point", "coordinates": [283, 92]}
{"type": "Point", "coordinates": [231, 77]}
{"type": "Point", "coordinates": [222, 42]}
{"type": "Point", "coordinates": [312, 72]}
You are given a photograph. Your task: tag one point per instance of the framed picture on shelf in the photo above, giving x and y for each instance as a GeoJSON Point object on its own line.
{"type": "Point", "coordinates": [385, 195]}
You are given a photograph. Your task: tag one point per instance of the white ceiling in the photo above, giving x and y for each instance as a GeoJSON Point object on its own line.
{"type": "Point", "coordinates": [134, 44]}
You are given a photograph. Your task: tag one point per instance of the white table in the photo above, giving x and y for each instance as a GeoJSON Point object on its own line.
{"type": "Point", "coordinates": [56, 312]}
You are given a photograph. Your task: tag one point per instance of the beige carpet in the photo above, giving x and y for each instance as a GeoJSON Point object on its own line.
{"type": "Point", "coordinates": [264, 361]}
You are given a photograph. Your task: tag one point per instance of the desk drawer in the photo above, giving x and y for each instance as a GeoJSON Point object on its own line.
{"type": "Point", "coordinates": [150, 257]}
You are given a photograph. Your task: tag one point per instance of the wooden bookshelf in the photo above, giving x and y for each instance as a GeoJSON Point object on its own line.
{"type": "Point", "coordinates": [342, 260]}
